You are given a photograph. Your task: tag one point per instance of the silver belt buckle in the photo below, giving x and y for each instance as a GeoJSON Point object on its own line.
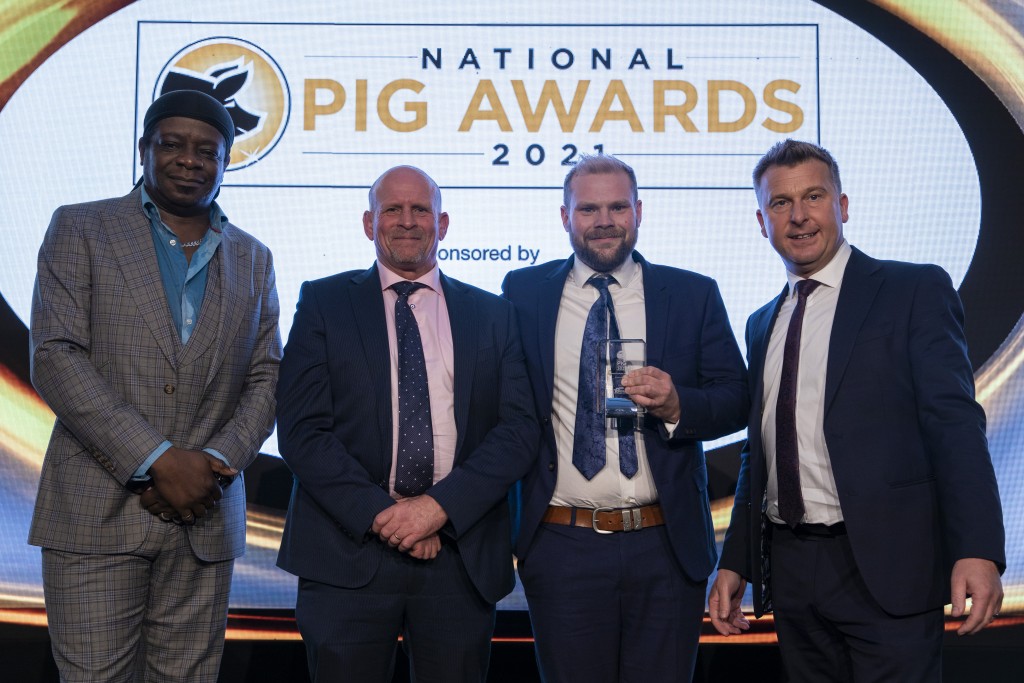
{"type": "Point", "coordinates": [593, 519]}
{"type": "Point", "coordinates": [632, 520]}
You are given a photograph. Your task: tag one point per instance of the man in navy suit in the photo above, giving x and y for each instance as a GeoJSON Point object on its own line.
{"type": "Point", "coordinates": [614, 552]}
{"type": "Point", "coordinates": [385, 543]}
{"type": "Point", "coordinates": [875, 501]}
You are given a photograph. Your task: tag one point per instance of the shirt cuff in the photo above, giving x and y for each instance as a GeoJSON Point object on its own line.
{"type": "Point", "coordinates": [143, 471]}
{"type": "Point", "coordinates": [669, 429]}
{"type": "Point", "coordinates": [218, 455]}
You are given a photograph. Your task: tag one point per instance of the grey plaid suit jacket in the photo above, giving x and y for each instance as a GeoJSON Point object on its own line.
{"type": "Point", "coordinates": [108, 361]}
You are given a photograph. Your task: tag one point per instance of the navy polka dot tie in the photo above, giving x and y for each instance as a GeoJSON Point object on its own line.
{"type": "Point", "coordinates": [415, 430]}
{"type": "Point", "coordinates": [588, 453]}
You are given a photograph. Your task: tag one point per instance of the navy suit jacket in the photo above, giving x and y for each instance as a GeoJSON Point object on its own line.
{"type": "Point", "coordinates": [689, 337]}
{"type": "Point", "coordinates": [905, 437]}
{"type": "Point", "coordinates": [335, 431]}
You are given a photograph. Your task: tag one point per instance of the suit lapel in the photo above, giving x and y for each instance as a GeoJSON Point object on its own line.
{"type": "Point", "coordinates": [465, 343]}
{"type": "Point", "coordinates": [761, 325]}
{"type": "Point", "coordinates": [229, 282]}
{"type": "Point", "coordinates": [861, 281]}
{"type": "Point", "coordinates": [549, 299]}
{"type": "Point", "coordinates": [759, 331]}
{"type": "Point", "coordinates": [136, 256]}
{"type": "Point", "coordinates": [657, 300]}
{"type": "Point", "coordinates": [367, 310]}
{"type": "Point", "coordinates": [210, 326]}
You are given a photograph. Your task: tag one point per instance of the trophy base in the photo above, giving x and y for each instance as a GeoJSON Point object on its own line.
{"type": "Point", "coordinates": [615, 408]}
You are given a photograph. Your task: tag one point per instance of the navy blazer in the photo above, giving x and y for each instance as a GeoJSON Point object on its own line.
{"type": "Point", "coordinates": [905, 437]}
{"type": "Point", "coordinates": [689, 337]}
{"type": "Point", "coordinates": [335, 431]}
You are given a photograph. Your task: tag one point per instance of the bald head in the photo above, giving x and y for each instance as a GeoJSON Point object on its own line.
{"type": "Point", "coordinates": [404, 172]}
{"type": "Point", "coordinates": [405, 221]}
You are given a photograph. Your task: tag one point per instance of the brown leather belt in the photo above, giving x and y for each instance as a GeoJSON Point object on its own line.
{"type": "Point", "coordinates": [606, 520]}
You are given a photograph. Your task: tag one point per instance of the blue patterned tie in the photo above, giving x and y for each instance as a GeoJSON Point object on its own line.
{"type": "Point", "coordinates": [588, 452]}
{"type": "Point", "coordinates": [787, 460]}
{"type": "Point", "coordinates": [415, 430]}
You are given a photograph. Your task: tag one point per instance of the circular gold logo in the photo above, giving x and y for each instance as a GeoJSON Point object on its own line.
{"type": "Point", "coordinates": [242, 77]}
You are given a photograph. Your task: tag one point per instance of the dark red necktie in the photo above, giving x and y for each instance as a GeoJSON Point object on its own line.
{"type": "Point", "coordinates": [787, 460]}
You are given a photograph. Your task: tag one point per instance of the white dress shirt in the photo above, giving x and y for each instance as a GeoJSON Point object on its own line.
{"type": "Point", "coordinates": [609, 487]}
{"type": "Point", "coordinates": [821, 499]}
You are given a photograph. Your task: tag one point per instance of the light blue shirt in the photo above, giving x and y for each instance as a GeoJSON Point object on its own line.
{"type": "Point", "coordinates": [184, 282]}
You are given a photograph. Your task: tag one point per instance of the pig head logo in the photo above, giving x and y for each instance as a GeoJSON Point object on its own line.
{"type": "Point", "coordinates": [223, 83]}
{"type": "Point", "coordinates": [242, 77]}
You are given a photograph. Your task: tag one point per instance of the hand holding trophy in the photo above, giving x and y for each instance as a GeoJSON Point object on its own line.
{"type": "Point", "coordinates": [622, 356]}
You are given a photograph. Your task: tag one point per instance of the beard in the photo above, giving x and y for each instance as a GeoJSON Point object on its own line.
{"type": "Point", "coordinates": [604, 260]}
{"type": "Point", "coordinates": [409, 257]}
{"type": "Point", "coordinates": [406, 253]}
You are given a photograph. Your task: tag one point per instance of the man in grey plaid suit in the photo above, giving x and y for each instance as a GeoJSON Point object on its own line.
{"type": "Point", "coordinates": [155, 342]}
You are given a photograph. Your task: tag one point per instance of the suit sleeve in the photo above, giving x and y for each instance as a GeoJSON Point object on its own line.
{"type": "Point", "coordinates": [331, 475]}
{"type": "Point", "coordinates": [717, 404]}
{"type": "Point", "coordinates": [953, 423]}
{"type": "Point", "coordinates": [483, 478]}
{"type": "Point", "coordinates": [107, 426]}
{"type": "Point", "coordinates": [736, 546]}
{"type": "Point", "coordinates": [250, 425]}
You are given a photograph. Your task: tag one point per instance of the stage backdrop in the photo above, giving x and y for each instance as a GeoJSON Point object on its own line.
{"type": "Point", "coordinates": [920, 102]}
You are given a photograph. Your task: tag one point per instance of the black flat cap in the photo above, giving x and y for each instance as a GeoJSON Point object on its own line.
{"type": "Point", "coordinates": [191, 104]}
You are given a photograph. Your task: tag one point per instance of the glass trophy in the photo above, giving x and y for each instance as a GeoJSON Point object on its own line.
{"type": "Point", "coordinates": [624, 356]}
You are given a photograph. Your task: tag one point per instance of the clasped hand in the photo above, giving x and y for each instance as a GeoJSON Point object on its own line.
{"type": "Point", "coordinates": [185, 485]}
{"type": "Point", "coordinates": [411, 526]}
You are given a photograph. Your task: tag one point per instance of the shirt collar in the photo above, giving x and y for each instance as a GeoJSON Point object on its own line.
{"type": "Point", "coordinates": [831, 275]}
{"type": "Point", "coordinates": [432, 278]}
{"type": "Point", "coordinates": [623, 274]}
{"type": "Point", "coordinates": [217, 217]}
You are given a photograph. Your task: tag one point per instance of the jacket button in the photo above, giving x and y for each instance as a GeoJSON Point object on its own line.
{"type": "Point", "coordinates": [551, 467]}
{"type": "Point", "coordinates": [168, 388]}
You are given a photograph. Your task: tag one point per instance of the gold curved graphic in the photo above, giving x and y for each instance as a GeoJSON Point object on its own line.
{"type": "Point", "coordinates": [980, 33]}
{"type": "Point", "coordinates": [32, 30]}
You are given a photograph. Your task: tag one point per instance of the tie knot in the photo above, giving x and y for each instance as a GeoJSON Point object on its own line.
{"type": "Point", "coordinates": [600, 282]}
{"type": "Point", "coordinates": [405, 288]}
{"type": "Point", "coordinates": [805, 287]}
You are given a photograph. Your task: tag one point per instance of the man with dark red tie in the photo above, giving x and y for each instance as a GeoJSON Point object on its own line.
{"type": "Point", "coordinates": [866, 497]}
{"type": "Point", "coordinates": [616, 541]}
